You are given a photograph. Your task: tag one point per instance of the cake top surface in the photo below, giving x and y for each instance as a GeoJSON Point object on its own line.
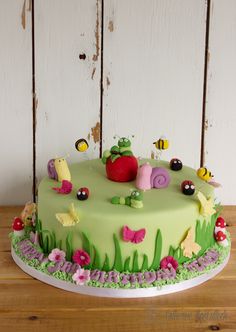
{"type": "Point", "coordinates": [92, 174]}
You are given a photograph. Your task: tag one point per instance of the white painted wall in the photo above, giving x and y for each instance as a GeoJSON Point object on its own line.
{"type": "Point", "coordinates": [153, 74]}
{"type": "Point", "coordinates": [16, 149]}
{"type": "Point", "coordinates": [220, 152]}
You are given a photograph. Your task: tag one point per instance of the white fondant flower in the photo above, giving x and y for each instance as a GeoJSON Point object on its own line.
{"type": "Point", "coordinates": [81, 276]}
{"type": "Point", "coordinates": [57, 255]}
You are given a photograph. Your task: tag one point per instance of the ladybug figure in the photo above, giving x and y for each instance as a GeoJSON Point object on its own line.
{"type": "Point", "coordinates": [187, 187]}
{"type": "Point", "coordinates": [176, 164]}
{"type": "Point", "coordinates": [83, 194]}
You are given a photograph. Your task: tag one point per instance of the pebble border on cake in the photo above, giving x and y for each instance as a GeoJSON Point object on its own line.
{"type": "Point", "coordinates": [122, 166]}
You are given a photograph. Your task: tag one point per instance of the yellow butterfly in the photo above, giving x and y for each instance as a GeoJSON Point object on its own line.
{"type": "Point", "coordinates": [68, 219]}
{"type": "Point", "coordinates": [189, 245]}
{"type": "Point", "coordinates": [207, 205]}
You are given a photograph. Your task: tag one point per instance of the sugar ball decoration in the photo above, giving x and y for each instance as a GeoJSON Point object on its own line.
{"type": "Point", "coordinates": [83, 194]}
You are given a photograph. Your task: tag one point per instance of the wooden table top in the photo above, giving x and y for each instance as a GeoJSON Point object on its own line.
{"type": "Point", "coordinates": [27, 304]}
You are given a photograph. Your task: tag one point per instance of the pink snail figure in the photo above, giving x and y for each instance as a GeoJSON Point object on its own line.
{"type": "Point", "coordinates": [152, 177]}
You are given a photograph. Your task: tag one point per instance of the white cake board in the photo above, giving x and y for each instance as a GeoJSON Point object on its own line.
{"type": "Point", "coordinates": [119, 293]}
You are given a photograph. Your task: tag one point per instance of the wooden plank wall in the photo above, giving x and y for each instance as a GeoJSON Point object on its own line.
{"type": "Point", "coordinates": [149, 62]}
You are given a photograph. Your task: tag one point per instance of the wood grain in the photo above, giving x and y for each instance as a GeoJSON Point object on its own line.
{"type": "Point", "coordinates": [153, 75]}
{"type": "Point", "coordinates": [16, 147]}
{"type": "Point", "coordinates": [67, 64]}
{"type": "Point", "coordinates": [221, 97]}
{"type": "Point", "coordinates": [26, 303]}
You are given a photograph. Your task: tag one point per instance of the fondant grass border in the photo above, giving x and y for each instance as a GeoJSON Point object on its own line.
{"type": "Point", "coordinates": [119, 293]}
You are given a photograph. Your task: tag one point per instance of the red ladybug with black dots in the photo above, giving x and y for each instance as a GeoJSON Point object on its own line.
{"type": "Point", "coordinates": [176, 164]}
{"type": "Point", "coordinates": [83, 194]}
{"type": "Point", "coordinates": [187, 187]}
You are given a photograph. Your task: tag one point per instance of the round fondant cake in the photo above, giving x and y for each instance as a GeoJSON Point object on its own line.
{"type": "Point", "coordinates": [129, 228]}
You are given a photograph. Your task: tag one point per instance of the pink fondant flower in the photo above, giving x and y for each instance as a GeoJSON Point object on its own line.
{"type": "Point", "coordinates": [168, 262]}
{"type": "Point", "coordinates": [81, 276]}
{"type": "Point", "coordinates": [57, 255]}
{"type": "Point", "coordinates": [81, 257]}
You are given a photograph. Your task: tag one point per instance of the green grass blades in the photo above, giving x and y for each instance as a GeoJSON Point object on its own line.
{"type": "Point", "coordinates": [69, 247]}
{"type": "Point", "coordinates": [118, 265]}
{"type": "Point", "coordinates": [157, 252]}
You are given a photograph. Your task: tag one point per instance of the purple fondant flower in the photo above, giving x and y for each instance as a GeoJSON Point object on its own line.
{"type": "Point", "coordinates": [168, 262]}
{"type": "Point", "coordinates": [81, 276]}
{"type": "Point", "coordinates": [57, 255]}
{"type": "Point", "coordinates": [81, 257]}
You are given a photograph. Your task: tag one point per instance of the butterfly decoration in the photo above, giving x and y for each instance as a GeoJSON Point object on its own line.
{"type": "Point", "coordinates": [207, 205]}
{"type": "Point", "coordinates": [133, 236]}
{"type": "Point", "coordinates": [188, 245]}
{"type": "Point", "coordinates": [68, 219]}
{"type": "Point", "coordinates": [66, 187]}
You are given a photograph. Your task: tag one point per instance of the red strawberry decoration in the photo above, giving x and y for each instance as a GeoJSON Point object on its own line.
{"type": "Point", "coordinates": [123, 169]}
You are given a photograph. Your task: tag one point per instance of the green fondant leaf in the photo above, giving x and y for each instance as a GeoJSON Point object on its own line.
{"type": "Point", "coordinates": [118, 258]}
{"type": "Point", "coordinates": [87, 246]}
{"type": "Point", "coordinates": [135, 262]}
{"type": "Point", "coordinates": [145, 263]}
{"type": "Point", "coordinates": [69, 248]}
{"type": "Point", "coordinates": [126, 265]}
{"type": "Point", "coordinates": [171, 251]}
{"type": "Point", "coordinates": [96, 261]}
{"type": "Point", "coordinates": [157, 252]}
{"type": "Point", "coordinates": [106, 264]}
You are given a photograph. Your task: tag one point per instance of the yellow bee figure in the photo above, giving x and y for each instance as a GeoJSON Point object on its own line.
{"type": "Point", "coordinates": [162, 144]}
{"type": "Point", "coordinates": [204, 174]}
{"type": "Point", "coordinates": [81, 145]}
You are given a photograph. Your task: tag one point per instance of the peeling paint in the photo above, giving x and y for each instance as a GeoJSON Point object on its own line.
{"type": "Point", "coordinates": [23, 18]}
{"type": "Point", "coordinates": [96, 55]}
{"type": "Point", "coordinates": [23, 12]}
{"type": "Point", "coordinates": [152, 155]}
{"type": "Point", "coordinates": [206, 125]}
{"type": "Point", "coordinates": [108, 82]}
{"type": "Point", "coordinates": [95, 131]}
{"type": "Point", "coordinates": [111, 26]}
{"type": "Point", "coordinates": [88, 137]}
{"type": "Point", "coordinates": [93, 72]}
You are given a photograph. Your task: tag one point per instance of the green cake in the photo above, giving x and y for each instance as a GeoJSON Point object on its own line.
{"type": "Point", "coordinates": [159, 228]}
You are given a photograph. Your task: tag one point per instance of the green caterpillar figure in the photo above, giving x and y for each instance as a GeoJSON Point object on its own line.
{"type": "Point", "coordinates": [123, 149]}
{"type": "Point", "coordinates": [135, 200]}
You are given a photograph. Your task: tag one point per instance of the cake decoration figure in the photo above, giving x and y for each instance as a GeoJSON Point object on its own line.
{"type": "Point", "coordinates": [204, 174]}
{"type": "Point", "coordinates": [66, 187]}
{"type": "Point", "coordinates": [221, 239]}
{"type": "Point", "coordinates": [176, 164]}
{"type": "Point", "coordinates": [152, 177]}
{"type": "Point", "coordinates": [220, 225]}
{"type": "Point", "coordinates": [161, 144]}
{"type": "Point", "coordinates": [135, 200]}
{"type": "Point", "coordinates": [130, 235]}
{"type": "Point", "coordinates": [187, 187]}
{"type": "Point", "coordinates": [206, 205]}
{"type": "Point", "coordinates": [83, 194]}
{"type": "Point", "coordinates": [81, 145]}
{"type": "Point", "coordinates": [58, 169]}
{"type": "Point", "coordinates": [18, 227]}
{"type": "Point", "coordinates": [68, 219]}
{"type": "Point", "coordinates": [188, 245]}
{"type": "Point", "coordinates": [28, 214]}
{"type": "Point", "coordinates": [121, 164]}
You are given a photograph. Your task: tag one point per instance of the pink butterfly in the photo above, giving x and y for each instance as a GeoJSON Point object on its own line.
{"type": "Point", "coordinates": [66, 187]}
{"type": "Point", "coordinates": [133, 236]}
